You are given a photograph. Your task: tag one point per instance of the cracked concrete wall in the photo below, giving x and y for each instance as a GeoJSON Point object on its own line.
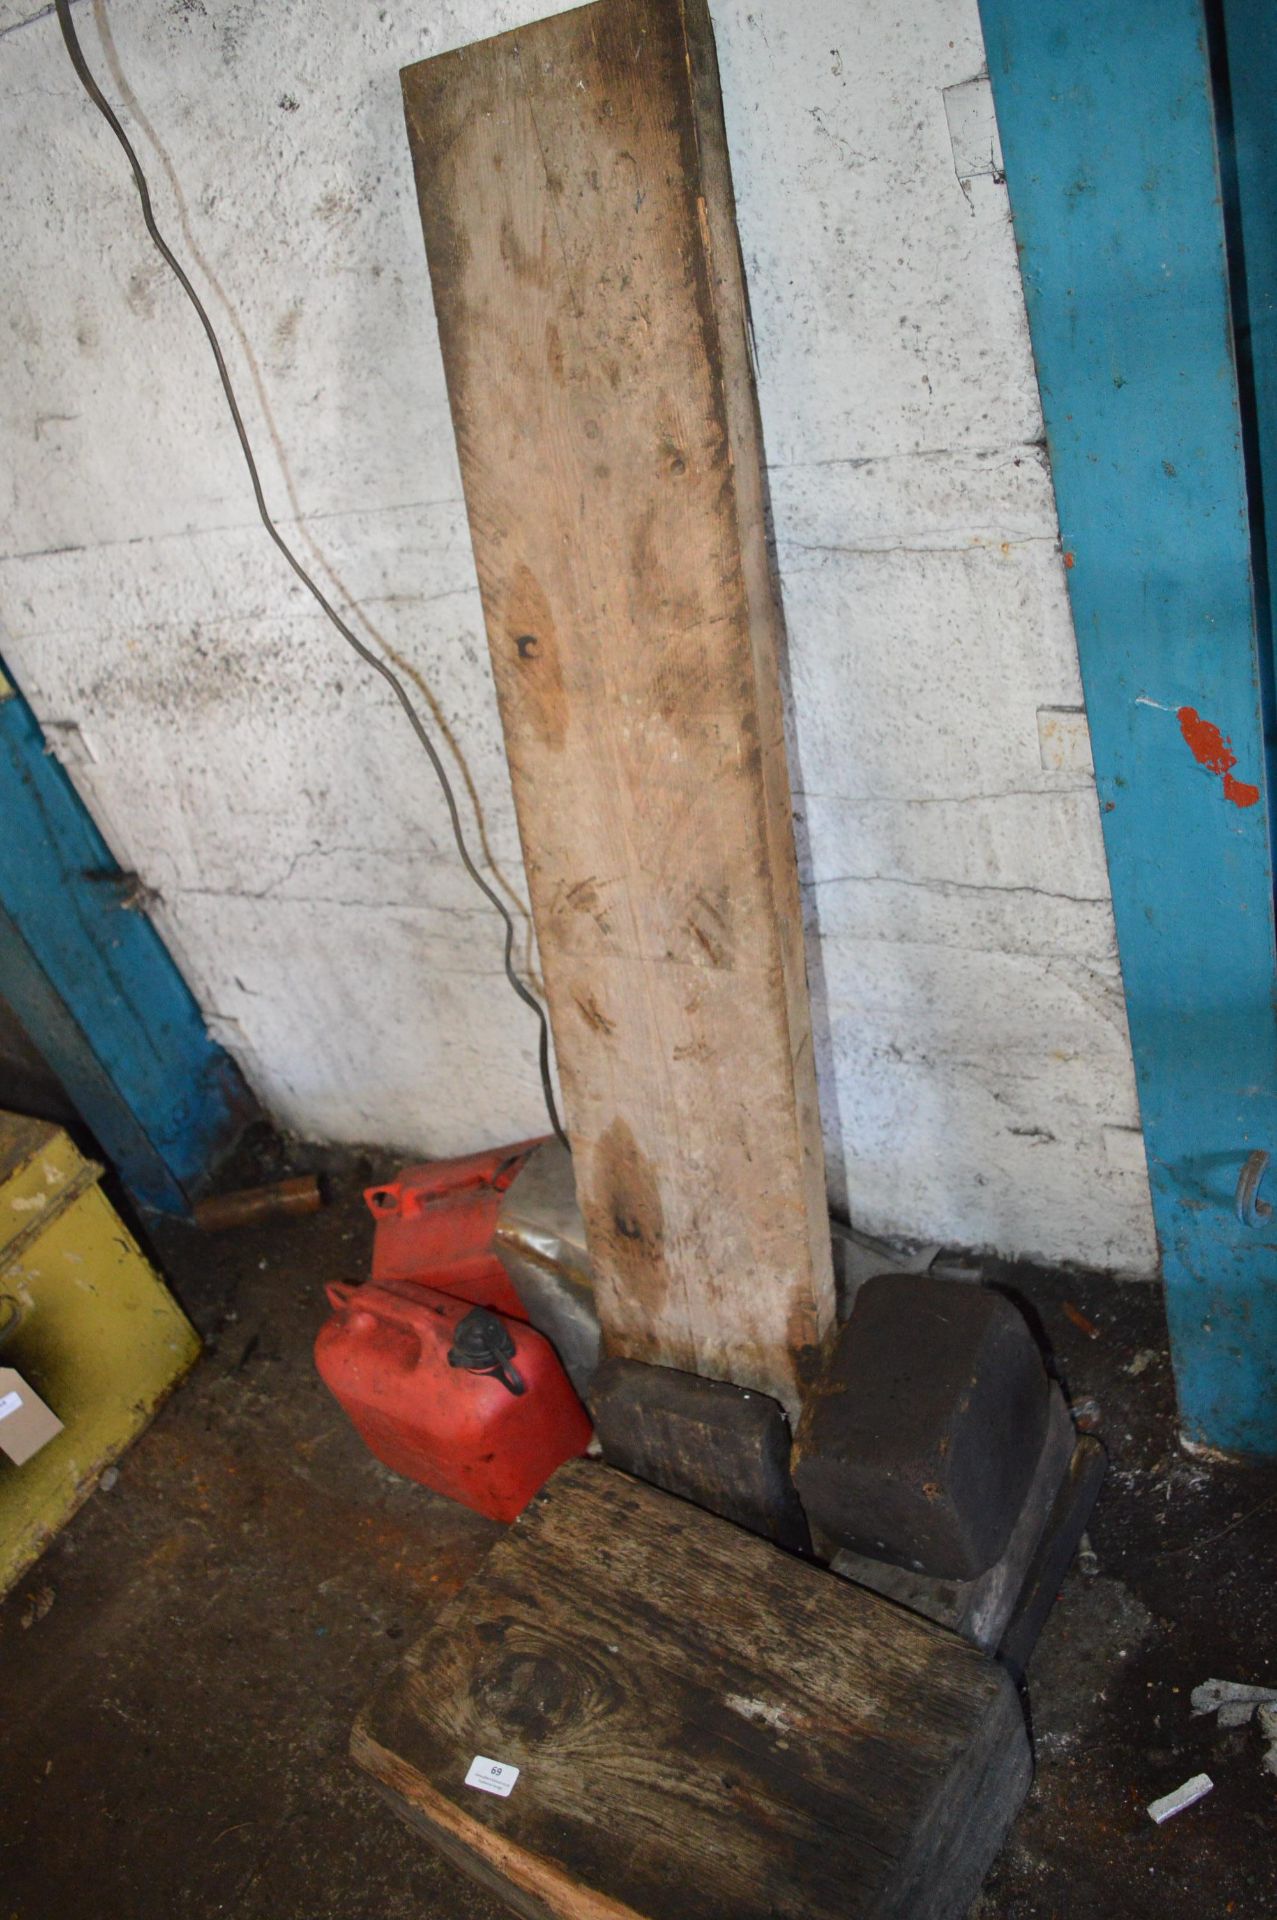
{"type": "Point", "coordinates": [975, 1065]}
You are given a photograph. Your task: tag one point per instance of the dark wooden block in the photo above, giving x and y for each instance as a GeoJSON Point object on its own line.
{"type": "Point", "coordinates": [705, 1728]}
{"type": "Point", "coordinates": [723, 1448]}
{"type": "Point", "coordinates": [981, 1609]}
{"type": "Point", "coordinates": [1059, 1543]}
{"type": "Point", "coordinates": [921, 1437]}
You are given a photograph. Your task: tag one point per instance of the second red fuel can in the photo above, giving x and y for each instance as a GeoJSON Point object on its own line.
{"type": "Point", "coordinates": [435, 1223]}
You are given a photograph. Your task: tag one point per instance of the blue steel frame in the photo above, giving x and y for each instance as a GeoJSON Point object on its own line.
{"type": "Point", "coordinates": [96, 988]}
{"type": "Point", "coordinates": [1112, 150]}
{"type": "Point", "coordinates": [1245, 48]}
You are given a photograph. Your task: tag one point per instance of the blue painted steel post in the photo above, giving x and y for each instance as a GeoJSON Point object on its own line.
{"type": "Point", "coordinates": [1246, 68]}
{"type": "Point", "coordinates": [96, 988]}
{"type": "Point", "coordinates": [1109, 137]}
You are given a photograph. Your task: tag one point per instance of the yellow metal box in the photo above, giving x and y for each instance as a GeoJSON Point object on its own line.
{"type": "Point", "coordinates": [86, 1321]}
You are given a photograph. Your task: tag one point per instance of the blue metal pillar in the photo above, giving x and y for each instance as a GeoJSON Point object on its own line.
{"type": "Point", "coordinates": [1108, 128]}
{"type": "Point", "coordinates": [96, 988]}
{"type": "Point", "coordinates": [1244, 47]}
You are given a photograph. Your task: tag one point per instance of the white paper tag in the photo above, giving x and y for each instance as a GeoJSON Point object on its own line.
{"type": "Point", "coordinates": [26, 1424]}
{"type": "Point", "coordinates": [492, 1776]}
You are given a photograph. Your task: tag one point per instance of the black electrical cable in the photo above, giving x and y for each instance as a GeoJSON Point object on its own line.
{"type": "Point", "coordinates": [365, 653]}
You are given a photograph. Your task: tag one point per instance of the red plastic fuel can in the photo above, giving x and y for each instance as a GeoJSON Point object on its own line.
{"type": "Point", "coordinates": [436, 1222]}
{"type": "Point", "coordinates": [458, 1398]}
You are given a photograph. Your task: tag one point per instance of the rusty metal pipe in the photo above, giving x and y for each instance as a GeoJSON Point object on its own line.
{"type": "Point", "coordinates": [251, 1204]}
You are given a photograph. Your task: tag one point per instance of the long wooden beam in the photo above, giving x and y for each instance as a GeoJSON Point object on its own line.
{"type": "Point", "coordinates": [580, 229]}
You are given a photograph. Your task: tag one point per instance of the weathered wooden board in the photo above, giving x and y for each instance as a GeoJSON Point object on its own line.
{"type": "Point", "coordinates": [705, 1728]}
{"type": "Point", "coordinates": [580, 230]}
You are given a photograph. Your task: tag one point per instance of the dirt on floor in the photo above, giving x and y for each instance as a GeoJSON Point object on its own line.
{"type": "Point", "coordinates": [1177, 1589]}
{"type": "Point", "coordinates": [182, 1668]}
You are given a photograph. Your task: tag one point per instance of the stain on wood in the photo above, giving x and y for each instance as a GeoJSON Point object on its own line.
{"type": "Point", "coordinates": [592, 1013]}
{"type": "Point", "coordinates": [529, 662]}
{"type": "Point", "coordinates": [632, 1234]}
{"type": "Point", "coordinates": [577, 206]}
{"type": "Point", "coordinates": [705, 1728]}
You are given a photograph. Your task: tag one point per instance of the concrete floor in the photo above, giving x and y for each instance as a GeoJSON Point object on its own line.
{"type": "Point", "coordinates": [182, 1668]}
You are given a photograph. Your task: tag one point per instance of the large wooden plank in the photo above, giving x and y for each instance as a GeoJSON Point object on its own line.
{"type": "Point", "coordinates": [580, 230]}
{"type": "Point", "coordinates": [704, 1727]}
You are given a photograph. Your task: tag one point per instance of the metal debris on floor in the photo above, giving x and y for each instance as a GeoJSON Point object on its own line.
{"type": "Point", "coordinates": [244, 1208]}
{"type": "Point", "coordinates": [1183, 1797]}
{"type": "Point", "coordinates": [1268, 1727]}
{"type": "Point", "coordinates": [1232, 1701]}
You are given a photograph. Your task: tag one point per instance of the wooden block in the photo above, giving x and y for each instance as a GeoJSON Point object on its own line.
{"type": "Point", "coordinates": [704, 1728]}
{"type": "Point", "coordinates": [981, 1609]}
{"type": "Point", "coordinates": [1059, 1543]}
{"type": "Point", "coordinates": [580, 229]}
{"type": "Point", "coordinates": [920, 1441]}
{"type": "Point", "coordinates": [724, 1448]}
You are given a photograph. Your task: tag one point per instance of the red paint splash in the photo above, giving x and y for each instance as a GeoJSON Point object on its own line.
{"type": "Point", "coordinates": [1214, 751]}
{"type": "Point", "coordinates": [1070, 560]}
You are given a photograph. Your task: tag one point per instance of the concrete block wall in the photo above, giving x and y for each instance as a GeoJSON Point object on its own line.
{"type": "Point", "coordinates": [975, 1066]}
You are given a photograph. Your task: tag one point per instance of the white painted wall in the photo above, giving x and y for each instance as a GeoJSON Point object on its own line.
{"type": "Point", "coordinates": [976, 1070]}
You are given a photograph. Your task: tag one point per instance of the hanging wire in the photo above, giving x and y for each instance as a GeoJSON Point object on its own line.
{"type": "Point", "coordinates": [365, 653]}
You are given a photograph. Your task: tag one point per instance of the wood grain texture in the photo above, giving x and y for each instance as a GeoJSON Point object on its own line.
{"type": "Point", "coordinates": [577, 206]}
{"type": "Point", "coordinates": [706, 1728]}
